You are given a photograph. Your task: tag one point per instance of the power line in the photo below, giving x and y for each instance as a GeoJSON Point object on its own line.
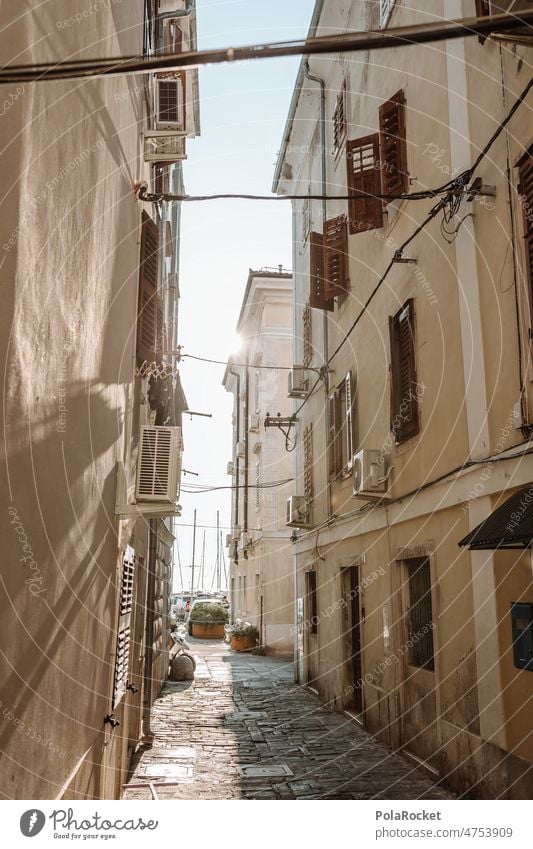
{"type": "Point", "coordinates": [351, 42]}
{"type": "Point", "coordinates": [236, 365]}
{"type": "Point", "coordinates": [201, 490]}
{"type": "Point", "coordinates": [156, 197]}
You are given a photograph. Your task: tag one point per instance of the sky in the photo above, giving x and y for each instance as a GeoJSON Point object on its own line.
{"type": "Point", "coordinates": [243, 109]}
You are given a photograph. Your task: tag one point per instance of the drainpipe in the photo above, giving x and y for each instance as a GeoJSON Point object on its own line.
{"type": "Point", "coordinates": [149, 631]}
{"type": "Point", "coordinates": [325, 355]}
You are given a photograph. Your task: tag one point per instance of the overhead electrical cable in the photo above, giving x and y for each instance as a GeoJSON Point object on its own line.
{"type": "Point", "coordinates": [342, 43]}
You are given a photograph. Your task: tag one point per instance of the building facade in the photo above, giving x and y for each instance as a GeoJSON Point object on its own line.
{"type": "Point", "coordinates": [89, 339]}
{"type": "Point", "coordinates": [261, 579]}
{"type": "Point", "coordinates": [416, 311]}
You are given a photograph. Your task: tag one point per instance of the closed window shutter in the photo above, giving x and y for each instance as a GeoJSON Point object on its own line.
{"type": "Point", "coordinates": [124, 626]}
{"type": "Point", "coordinates": [362, 162]}
{"type": "Point", "coordinates": [482, 8]}
{"type": "Point", "coordinates": [308, 465]}
{"type": "Point", "coordinates": [335, 256]}
{"type": "Point", "coordinates": [332, 431]}
{"type": "Point", "coordinates": [404, 400]}
{"type": "Point", "coordinates": [349, 413]}
{"type": "Point", "coordinates": [307, 340]}
{"type": "Point", "coordinates": [525, 172]}
{"type": "Point", "coordinates": [394, 178]}
{"type": "Point", "coordinates": [317, 297]}
{"type": "Point", "coordinates": [150, 331]}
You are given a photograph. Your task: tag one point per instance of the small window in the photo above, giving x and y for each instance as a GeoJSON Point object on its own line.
{"type": "Point", "coordinates": [404, 386]}
{"type": "Point", "coordinates": [312, 602]}
{"type": "Point", "coordinates": [341, 439]}
{"type": "Point", "coordinates": [420, 614]}
{"type": "Point", "coordinates": [307, 332]}
{"type": "Point", "coordinates": [522, 625]}
{"type": "Point", "coordinates": [339, 121]}
{"type": "Point", "coordinates": [385, 9]}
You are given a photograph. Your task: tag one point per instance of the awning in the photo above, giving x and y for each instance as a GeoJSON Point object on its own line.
{"type": "Point", "coordinates": [509, 526]}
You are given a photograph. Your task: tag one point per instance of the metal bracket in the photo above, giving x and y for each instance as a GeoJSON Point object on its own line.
{"type": "Point", "coordinates": [279, 421]}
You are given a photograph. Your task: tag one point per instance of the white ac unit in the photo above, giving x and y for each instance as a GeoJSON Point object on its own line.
{"type": "Point", "coordinates": [159, 464]}
{"type": "Point", "coordinates": [298, 384]}
{"type": "Point", "coordinates": [239, 449]}
{"type": "Point", "coordinates": [368, 472]}
{"type": "Point", "coordinates": [170, 101]}
{"type": "Point", "coordinates": [230, 469]}
{"type": "Point", "coordinates": [297, 512]}
{"type": "Point", "coordinates": [245, 541]}
{"type": "Point", "coordinates": [236, 533]}
{"type": "Point", "coordinates": [164, 146]}
{"type": "Point", "coordinates": [254, 422]}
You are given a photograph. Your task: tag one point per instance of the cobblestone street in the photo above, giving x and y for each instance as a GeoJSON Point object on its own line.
{"type": "Point", "coordinates": [242, 718]}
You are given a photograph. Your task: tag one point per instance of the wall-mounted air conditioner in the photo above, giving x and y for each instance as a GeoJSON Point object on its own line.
{"type": "Point", "coordinates": [230, 468]}
{"type": "Point", "coordinates": [297, 512]}
{"type": "Point", "coordinates": [229, 540]}
{"type": "Point", "coordinates": [254, 422]}
{"type": "Point", "coordinates": [245, 541]}
{"type": "Point", "coordinates": [164, 146]}
{"type": "Point", "coordinates": [170, 101]}
{"type": "Point", "coordinates": [368, 472]}
{"type": "Point", "coordinates": [159, 464]}
{"type": "Point", "coordinates": [175, 35]}
{"type": "Point", "coordinates": [298, 383]}
{"type": "Point", "coordinates": [236, 533]}
{"type": "Point", "coordinates": [239, 450]}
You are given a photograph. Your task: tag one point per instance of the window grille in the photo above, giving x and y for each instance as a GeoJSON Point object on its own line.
{"type": "Point", "coordinates": [420, 613]}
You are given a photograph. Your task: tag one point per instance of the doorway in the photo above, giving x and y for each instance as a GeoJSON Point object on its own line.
{"type": "Point", "coordinates": [351, 639]}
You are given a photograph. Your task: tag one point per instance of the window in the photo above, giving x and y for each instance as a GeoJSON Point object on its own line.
{"type": "Point", "coordinates": [341, 439]}
{"type": "Point", "coordinates": [308, 466]}
{"type": "Point", "coordinates": [122, 654]}
{"type": "Point", "coordinates": [312, 602]}
{"type": "Point", "coordinates": [339, 121]}
{"type": "Point", "coordinates": [362, 161]}
{"type": "Point", "coordinates": [150, 327]}
{"type": "Point", "coordinates": [393, 146]}
{"type": "Point", "coordinates": [317, 287]}
{"type": "Point", "coordinates": [404, 387]}
{"type": "Point", "coordinates": [525, 187]}
{"type": "Point", "coordinates": [257, 485]}
{"type": "Point", "coordinates": [308, 340]}
{"type": "Point", "coordinates": [385, 9]}
{"type": "Point", "coordinates": [522, 625]}
{"type": "Point", "coordinates": [335, 257]}
{"type": "Point", "coordinates": [420, 615]}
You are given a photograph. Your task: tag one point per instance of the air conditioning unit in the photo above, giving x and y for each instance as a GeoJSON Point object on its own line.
{"type": "Point", "coordinates": [229, 540]}
{"type": "Point", "coordinates": [368, 472]}
{"type": "Point", "coordinates": [245, 541]}
{"type": "Point", "coordinates": [298, 384]}
{"type": "Point", "coordinates": [170, 101]}
{"type": "Point", "coordinates": [175, 35]}
{"type": "Point", "coordinates": [236, 533]}
{"type": "Point", "coordinates": [164, 146]}
{"type": "Point", "coordinates": [159, 464]}
{"type": "Point", "coordinates": [297, 512]}
{"type": "Point", "coordinates": [230, 469]}
{"type": "Point", "coordinates": [239, 449]}
{"type": "Point", "coordinates": [254, 422]}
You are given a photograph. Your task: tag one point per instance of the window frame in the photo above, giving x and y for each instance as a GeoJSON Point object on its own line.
{"type": "Point", "coordinates": [341, 428]}
{"type": "Point", "coordinates": [339, 122]}
{"type": "Point", "coordinates": [409, 424]}
{"type": "Point", "coordinates": [419, 614]}
{"type": "Point", "coordinates": [372, 215]}
{"type": "Point", "coordinates": [399, 182]}
{"type": "Point", "coordinates": [311, 591]}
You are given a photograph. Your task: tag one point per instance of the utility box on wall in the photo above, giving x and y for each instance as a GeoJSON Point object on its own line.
{"type": "Point", "coordinates": [522, 624]}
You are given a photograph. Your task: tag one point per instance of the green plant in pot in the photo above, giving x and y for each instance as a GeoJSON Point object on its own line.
{"type": "Point", "coordinates": [244, 636]}
{"type": "Point", "coordinates": [208, 620]}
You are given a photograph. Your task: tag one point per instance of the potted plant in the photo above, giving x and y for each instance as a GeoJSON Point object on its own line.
{"type": "Point", "coordinates": [207, 620]}
{"type": "Point", "coordinates": [244, 636]}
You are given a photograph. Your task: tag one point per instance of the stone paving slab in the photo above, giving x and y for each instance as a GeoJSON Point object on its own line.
{"type": "Point", "coordinates": [243, 710]}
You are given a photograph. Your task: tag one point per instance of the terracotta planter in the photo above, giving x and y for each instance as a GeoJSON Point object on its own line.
{"type": "Point", "coordinates": [242, 643]}
{"type": "Point", "coordinates": [207, 630]}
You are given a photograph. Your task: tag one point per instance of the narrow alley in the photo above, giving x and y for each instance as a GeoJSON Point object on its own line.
{"type": "Point", "coordinates": [244, 729]}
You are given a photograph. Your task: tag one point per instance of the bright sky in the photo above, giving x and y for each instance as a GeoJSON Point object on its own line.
{"type": "Point", "coordinates": [243, 112]}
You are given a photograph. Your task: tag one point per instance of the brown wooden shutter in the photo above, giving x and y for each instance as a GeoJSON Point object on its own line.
{"type": "Point", "coordinates": [124, 625]}
{"type": "Point", "coordinates": [150, 330]}
{"type": "Point", "coordinates": [482, 8]}
{"type": "Point", "coordinates": [317, 298]}
{"type": "Point", "coordinates": [525, 173]}
{"type": "Point", "coordinates": [308, 465]}
{"type": "Point", "coordinates": [394, 178]}
{"type": "Point", "coordinates": [335, 256]}
{"type": "Point", "coordinates": [404, 400]}
{"type": "Point", "coordinates": [349, 413]}
{"type": "Point", "coordinates": [362, 162]}
{"type": "Point", "coordinates": [332, 432]}
{"type": "Point", "coordinates": [307, 334]}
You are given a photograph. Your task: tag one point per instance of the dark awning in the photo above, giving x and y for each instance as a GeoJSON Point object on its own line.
{"type": "Point", "coordinates": [509, 526]}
